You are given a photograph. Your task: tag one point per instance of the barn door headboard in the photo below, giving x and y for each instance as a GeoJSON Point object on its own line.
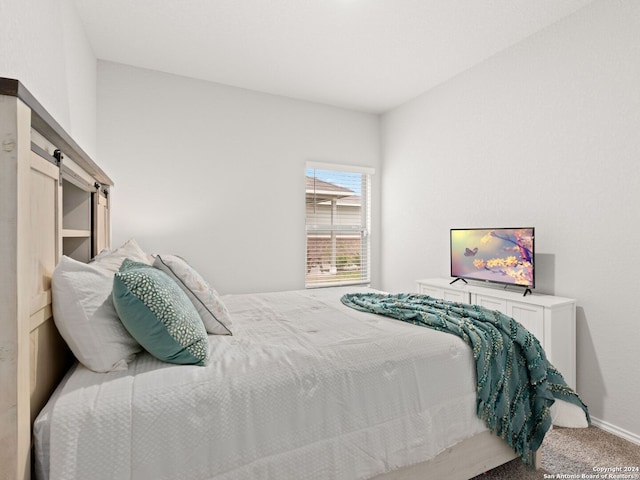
{"type": "Point", "coordinates": [53, 201]}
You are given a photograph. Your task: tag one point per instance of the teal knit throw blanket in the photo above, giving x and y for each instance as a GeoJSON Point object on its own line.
{"type": "Point", "coordinates": [516, 384]}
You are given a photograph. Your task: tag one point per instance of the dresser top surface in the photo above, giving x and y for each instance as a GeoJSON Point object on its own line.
{"type": "Point", "coordinates": [498, 292]}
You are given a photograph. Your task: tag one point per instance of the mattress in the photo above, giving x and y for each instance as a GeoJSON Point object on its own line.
{"type": "Point", "coordinates": [306, 388]}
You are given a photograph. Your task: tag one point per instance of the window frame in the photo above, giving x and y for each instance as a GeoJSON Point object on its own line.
{"type": "Point", "coordinates": [363, 228]}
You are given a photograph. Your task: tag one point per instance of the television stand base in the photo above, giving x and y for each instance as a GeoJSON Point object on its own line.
{"type": "Point", "coordinates": [526, 290]}
{"type": "Point", "coordinates": [459, 278]}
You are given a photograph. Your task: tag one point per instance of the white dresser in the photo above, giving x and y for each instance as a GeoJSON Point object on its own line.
{"type": "Point", "coordinates": [551, 319]}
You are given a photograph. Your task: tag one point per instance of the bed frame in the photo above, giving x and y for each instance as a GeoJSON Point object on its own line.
{"type": "Point", "coordinates": [54, 201]}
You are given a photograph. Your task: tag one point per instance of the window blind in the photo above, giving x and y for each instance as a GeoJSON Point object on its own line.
{"type": "Point", "coordinates": [337, 226]}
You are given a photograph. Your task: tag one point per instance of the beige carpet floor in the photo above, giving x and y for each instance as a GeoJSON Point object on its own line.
{"type": "Point", "coordinates": [576, 453]}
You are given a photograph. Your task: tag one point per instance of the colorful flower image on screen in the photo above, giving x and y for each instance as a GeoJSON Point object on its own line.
{"type": "Point", "coordinates": [503, 255]}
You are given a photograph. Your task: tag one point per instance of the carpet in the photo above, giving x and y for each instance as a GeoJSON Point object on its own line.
{"type": "Point", "coordinates": [576, 453]}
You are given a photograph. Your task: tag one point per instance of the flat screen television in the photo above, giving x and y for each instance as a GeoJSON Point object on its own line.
{"type": "Point", "coordinates": [498, 255]}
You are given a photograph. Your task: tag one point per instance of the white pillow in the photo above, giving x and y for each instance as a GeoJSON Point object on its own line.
{"type": "Point", "coordinates": [84, 313]}
{"type": "Point", "coordinates": [212, 310]}
{"type": "Point", "coordinates": [112, 259]}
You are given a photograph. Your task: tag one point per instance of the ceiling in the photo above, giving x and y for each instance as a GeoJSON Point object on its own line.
{"type": "Point", "coordinates": [366, 55]}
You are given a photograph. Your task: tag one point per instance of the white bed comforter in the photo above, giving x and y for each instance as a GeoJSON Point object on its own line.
{"type": "Point", "coordinates": [306, 389]}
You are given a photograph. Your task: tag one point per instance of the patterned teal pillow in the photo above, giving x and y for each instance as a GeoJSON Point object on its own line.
{"type": "Point", "coordinates": [159, 315]}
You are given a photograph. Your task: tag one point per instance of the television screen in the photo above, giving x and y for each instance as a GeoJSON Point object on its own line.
{"type": "Point", "coordinates": [501, 255]}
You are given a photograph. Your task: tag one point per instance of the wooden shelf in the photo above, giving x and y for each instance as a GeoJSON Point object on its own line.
{"type": "Point", "coordinates": [71, 233]}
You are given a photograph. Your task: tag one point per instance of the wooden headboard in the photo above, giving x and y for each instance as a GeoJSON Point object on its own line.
{"type": "Point", "coordinates": [53, 201]}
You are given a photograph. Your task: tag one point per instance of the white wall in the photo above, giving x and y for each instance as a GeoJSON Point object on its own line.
{"type": "Point", "coordinates": [546, 134]}
{"type": "Point", "coordinates": [43, 44]}
{"type": "Point", "coordinates": [216, 173]}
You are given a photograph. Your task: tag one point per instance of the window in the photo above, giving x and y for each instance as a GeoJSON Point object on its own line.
{"type": "Point", "coordinates": [337, 223]}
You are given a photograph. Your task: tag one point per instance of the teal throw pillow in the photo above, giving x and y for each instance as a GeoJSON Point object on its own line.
{"type": "Point", "coordinates": [159, 315]}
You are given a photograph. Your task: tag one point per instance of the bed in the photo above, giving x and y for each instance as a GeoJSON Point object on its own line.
{"type": "Point", "coordinates": [305, 388]}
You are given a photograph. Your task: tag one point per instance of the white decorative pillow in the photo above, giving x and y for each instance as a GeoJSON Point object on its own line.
{"type": "Point", "coordinates": [112, 259]}
{"type": "Point", "coordinates": [84, 313]}
{"type": "Point", "coordinates": [212, 311]}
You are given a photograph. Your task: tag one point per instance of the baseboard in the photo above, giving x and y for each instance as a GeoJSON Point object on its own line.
{"type": "Point", "coordinates": [617, 431]}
